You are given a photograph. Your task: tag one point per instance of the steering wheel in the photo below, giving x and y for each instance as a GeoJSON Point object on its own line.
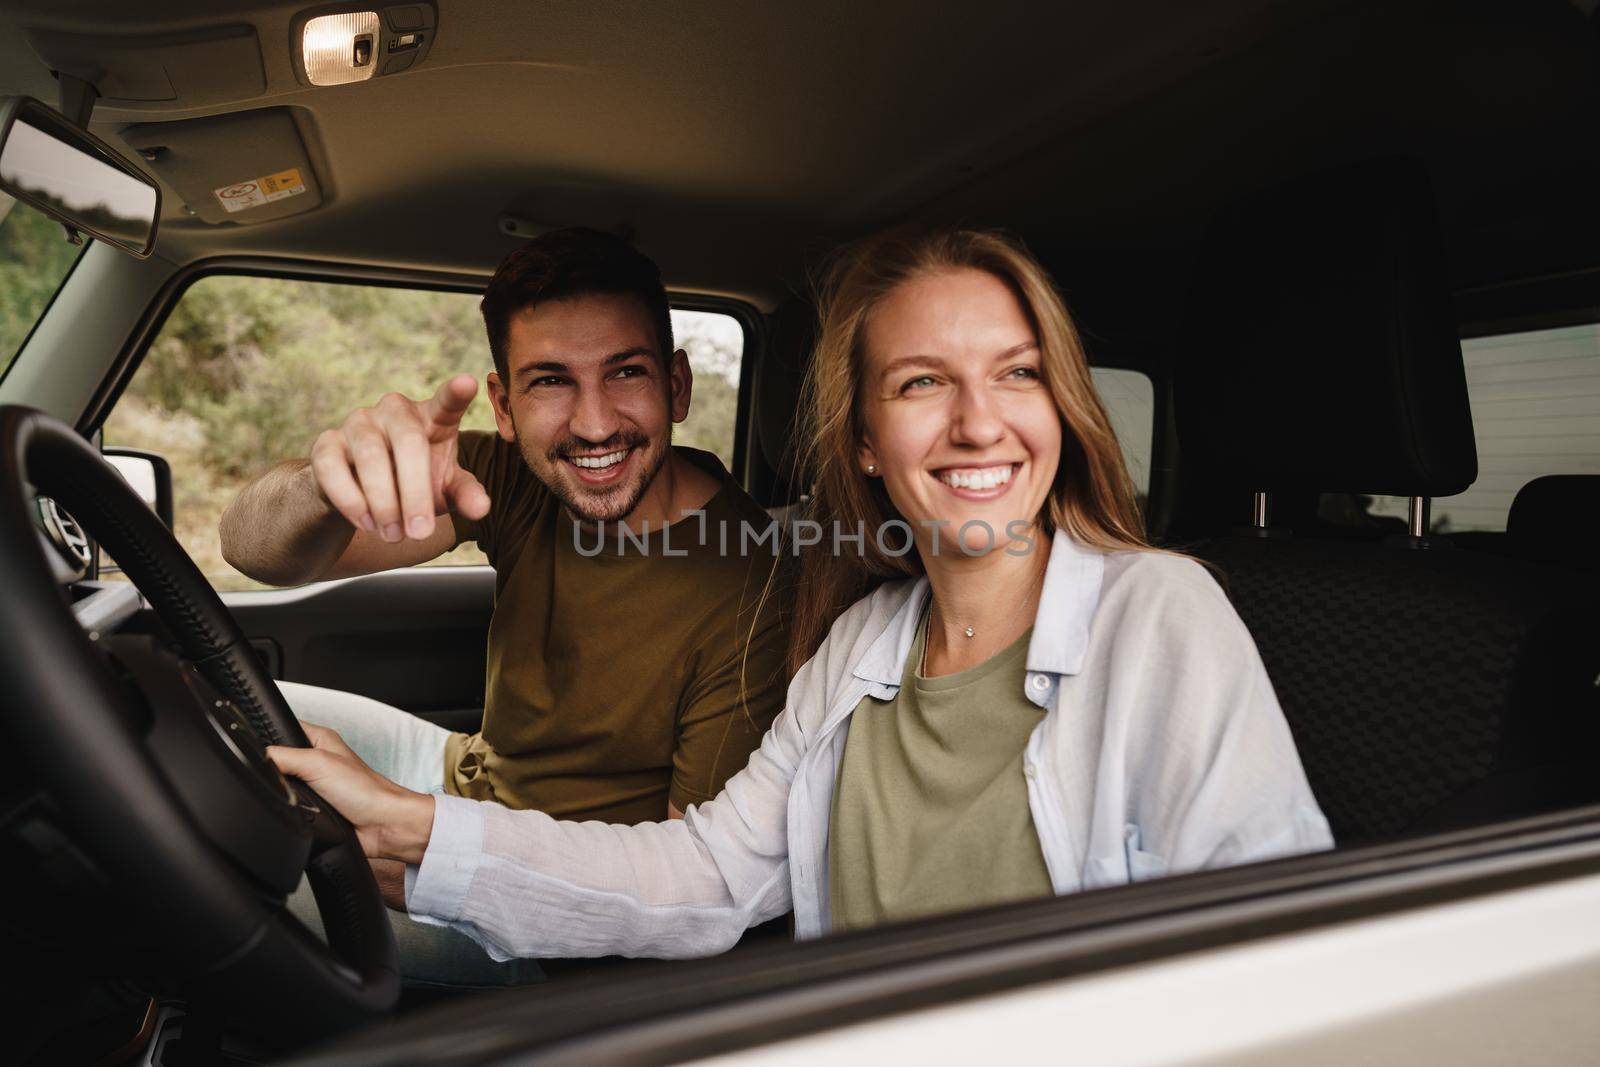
{"type": "Point", "coordinates": [156, 762]}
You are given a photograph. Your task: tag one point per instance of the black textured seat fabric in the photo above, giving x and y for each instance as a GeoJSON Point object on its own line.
{"type": "Point", "coordinates": [1426, 687]}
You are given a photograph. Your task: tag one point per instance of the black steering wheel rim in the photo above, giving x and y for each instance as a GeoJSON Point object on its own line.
{"type": "Point", "coordinates": [258, 962]}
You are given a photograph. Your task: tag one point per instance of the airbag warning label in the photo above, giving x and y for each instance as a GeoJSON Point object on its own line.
{"type": "Point", "coordinates": [258, 191]}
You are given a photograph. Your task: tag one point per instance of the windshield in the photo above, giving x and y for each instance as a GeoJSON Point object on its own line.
{"type": "Point", "coordinates": [35, 259]}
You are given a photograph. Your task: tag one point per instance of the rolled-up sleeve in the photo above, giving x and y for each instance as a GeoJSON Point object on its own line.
{"type": "Point", "coordinates": [437, 886]}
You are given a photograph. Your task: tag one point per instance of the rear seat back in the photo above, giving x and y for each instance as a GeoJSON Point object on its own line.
{"type": "Point", "coordinates": [1425, 686]}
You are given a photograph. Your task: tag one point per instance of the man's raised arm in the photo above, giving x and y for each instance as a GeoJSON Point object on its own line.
{"type": "Point", "coordinates": [367, 500]}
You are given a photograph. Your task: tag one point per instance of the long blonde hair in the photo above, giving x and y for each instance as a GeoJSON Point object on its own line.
{"type": "Point", "coordinates": [1093, 497]}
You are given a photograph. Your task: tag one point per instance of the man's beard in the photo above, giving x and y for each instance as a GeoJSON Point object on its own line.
{"type": "Point", "coordinates": [610, 504]}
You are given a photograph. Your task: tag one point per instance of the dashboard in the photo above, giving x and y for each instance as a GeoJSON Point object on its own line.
{"type": "Point", "coordinates": [100, 606]}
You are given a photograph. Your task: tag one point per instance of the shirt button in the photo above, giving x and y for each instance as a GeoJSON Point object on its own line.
{"type": "Point", "coordinates": [1039, 682]}
{"type": "Point", "coordinates": [1027, 769]}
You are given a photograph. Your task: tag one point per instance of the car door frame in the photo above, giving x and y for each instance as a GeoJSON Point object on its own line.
{"type": "Point", "coordinates": [770, 995]}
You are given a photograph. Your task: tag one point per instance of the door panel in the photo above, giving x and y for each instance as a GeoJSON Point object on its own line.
{"type": "Point", "coordinates": [415, 638]}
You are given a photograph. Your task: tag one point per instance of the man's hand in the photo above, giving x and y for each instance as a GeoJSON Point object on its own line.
{"type": "Point", "coordinates": [391, 821]}
{"type": "Point", "coordinates": [391, 469]}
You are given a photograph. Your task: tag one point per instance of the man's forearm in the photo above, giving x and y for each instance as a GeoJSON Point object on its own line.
{"type": "Point", "coordinates": [281, 530]}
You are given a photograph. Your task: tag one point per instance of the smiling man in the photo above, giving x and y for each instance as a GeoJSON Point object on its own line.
{"type": "Point", "coordinates": [627, 678]}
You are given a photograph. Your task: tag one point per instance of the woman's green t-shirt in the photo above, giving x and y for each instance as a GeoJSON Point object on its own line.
{"type": "Point", "coordinates": [930, 813]}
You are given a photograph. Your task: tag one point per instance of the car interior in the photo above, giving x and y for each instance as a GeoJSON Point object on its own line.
{"type": "Point", "coordinates": [1331, 235]}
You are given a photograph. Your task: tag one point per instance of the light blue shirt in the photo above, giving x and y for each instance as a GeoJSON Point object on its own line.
{"type": "Point", "coordinates": [1163, 749]}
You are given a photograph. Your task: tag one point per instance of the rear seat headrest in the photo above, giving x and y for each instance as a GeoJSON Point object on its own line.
{"type": "Point", "coordinates": [1553, 519]}
{"type": "Point", "coordinates": [1320, 350]}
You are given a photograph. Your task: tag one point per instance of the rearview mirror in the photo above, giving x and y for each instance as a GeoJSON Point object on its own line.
{"type": "Point", "coordinates": [76, 178]}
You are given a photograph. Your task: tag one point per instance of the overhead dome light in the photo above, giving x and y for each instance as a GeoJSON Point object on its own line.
{"type": "Point", "coordinates": [339, 49]}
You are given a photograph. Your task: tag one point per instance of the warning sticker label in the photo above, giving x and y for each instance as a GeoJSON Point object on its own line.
{"type": "Point", "coordinates": [258, 191]}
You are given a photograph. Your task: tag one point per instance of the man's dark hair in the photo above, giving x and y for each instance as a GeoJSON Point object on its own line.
{"type": "Point", "coordinates": [561, 264]}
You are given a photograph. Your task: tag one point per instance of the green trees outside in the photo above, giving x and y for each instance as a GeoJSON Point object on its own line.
{"type": "Point", "coordinates": [34, 257]}
{"type": "Point", "coordinates": [247, 371]}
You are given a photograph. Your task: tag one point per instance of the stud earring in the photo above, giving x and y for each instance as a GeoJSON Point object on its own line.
{"type": "Point", "coordinates": [872, 468]}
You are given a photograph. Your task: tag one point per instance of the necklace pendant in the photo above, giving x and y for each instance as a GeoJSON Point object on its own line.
{"type": "Point", "coordinates": [969, 631]}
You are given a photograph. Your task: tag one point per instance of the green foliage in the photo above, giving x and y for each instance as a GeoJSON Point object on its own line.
{"type": "Point", "coordinates": [34, 257]}
{"type": "Point", "coordinates": [715, 346]}
{"type": "Point", "coordinates": [265, 365]}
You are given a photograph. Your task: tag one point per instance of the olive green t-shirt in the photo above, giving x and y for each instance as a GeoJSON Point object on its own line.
{"type": "Point", "coordinates": [931, 809]}
{"type": "Point", "coordinates": [618, 675]}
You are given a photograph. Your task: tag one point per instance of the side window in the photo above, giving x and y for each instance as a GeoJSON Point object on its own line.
{"type": "Point", "coordinates": [1130, 401]}
{"type": "Point", "coordinates": [35, 258]}
{"type": "Point", "coordinates": [1535, 410]}
{"type": "Point", "coordinates": [714, 343]}
{"type": "Point", "coordinates": [248, 370]}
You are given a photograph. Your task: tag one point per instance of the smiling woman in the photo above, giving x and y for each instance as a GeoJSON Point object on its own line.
{"type": "Point", "coordinates": [968, 442]}
{"type": "Point", "coordinates": [905, 318]}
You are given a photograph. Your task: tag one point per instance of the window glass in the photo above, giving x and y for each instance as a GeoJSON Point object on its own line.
{"type": "Point", "coordinates": [1535, 410]}
{"type": "Point", "coordinates": [35, 258]}
{"type": "Point", "coordinates": [1130, 401]}
{"type": "Point", "coordinates": [714, 343]}
{"type": "Point", "coordinates": [247, 371]}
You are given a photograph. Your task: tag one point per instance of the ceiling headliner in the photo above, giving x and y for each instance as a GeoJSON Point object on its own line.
{"type": "Point", "coordinates": [738, 139]}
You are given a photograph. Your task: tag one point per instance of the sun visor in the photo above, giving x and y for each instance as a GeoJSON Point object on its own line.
{"type": "Point", "coordinates": [246, 167]}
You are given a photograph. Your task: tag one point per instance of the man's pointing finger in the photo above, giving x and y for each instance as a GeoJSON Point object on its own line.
{"type": "Point", "coordinates": [449, 402]}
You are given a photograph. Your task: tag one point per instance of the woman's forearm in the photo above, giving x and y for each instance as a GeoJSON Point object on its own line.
{"type": "Point", "coordinates": [406, 828]}
{"type": "Point", "coordinates": [527, 885]}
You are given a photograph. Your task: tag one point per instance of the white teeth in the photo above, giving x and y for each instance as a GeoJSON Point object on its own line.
{"type": "Point", "coordinates": [610, 459]}
{"type": "Point", "coordinates": [976, 477]}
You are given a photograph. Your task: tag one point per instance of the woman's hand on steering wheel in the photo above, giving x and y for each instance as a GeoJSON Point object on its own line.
{"type": "Point", "coordinates": [391, 821]}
